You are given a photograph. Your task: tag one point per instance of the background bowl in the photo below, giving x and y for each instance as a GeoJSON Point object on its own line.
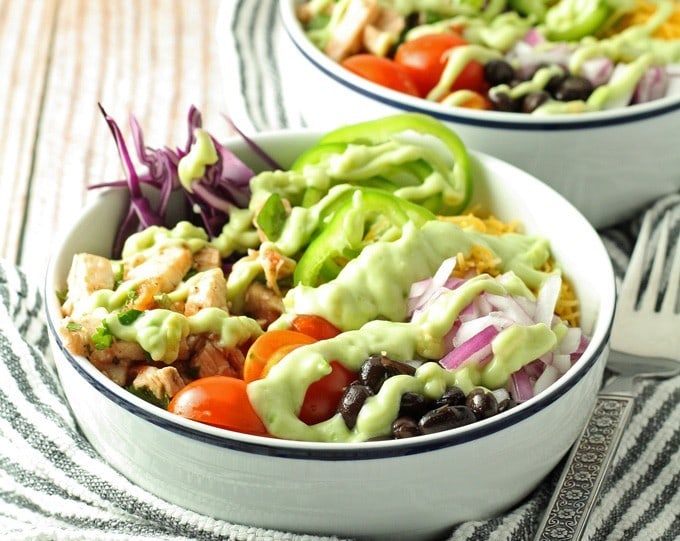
{"type": "Point", "coordinates": [609, 164]}
{"type": "Point", "coordinates": [415, 488]}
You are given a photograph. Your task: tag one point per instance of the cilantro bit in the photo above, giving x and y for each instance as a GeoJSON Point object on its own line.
{"type": "Point", "coordinates": [102, 337]}
{"type": "Point", "coordinates": [129, 317]}
{"type": "Point", "coordinates": [145, 394]}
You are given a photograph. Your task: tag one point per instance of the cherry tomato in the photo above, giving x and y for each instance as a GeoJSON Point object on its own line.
{"type": "Point", "coordinates": [425, 59]}
{"type": "Point", "coordinates": [314, 326]}
{"type": "Point", "coordinates": [268, 349]}
{"type": "Point", "coordinates": [219, 401]}
{"type": "Point", "coordinates": [322, 396]}
{"type": "Point", "coordinates": [382, 71]}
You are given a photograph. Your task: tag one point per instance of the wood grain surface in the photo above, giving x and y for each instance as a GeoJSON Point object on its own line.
{"type": "Point", "coordinates": [58, 60]}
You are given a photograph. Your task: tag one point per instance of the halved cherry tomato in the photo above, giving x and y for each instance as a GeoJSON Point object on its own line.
{"type": "Point", "coordinates": [425, 59]}
{"type": "Point", "coordinates": [268, 349]}
{"type": "Point", "coordinates": [322, 396]}
{"type": "Point", "coordinates": [314, 326]}
{"type": "Point", "coordinates": [382, 71]}
{"type": "Point", "coordinates": [219, 401]}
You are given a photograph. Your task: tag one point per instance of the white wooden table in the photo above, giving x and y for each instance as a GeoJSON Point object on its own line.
{"type": "Point", "coordinates": [58, 60]}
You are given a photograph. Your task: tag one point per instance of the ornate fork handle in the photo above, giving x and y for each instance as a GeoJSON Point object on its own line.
{"type": "Point", "coordinates": [577, 490]}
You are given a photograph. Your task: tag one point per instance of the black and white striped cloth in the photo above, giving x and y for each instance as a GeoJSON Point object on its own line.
{"type": "Point", "coordinates": [54, 486]}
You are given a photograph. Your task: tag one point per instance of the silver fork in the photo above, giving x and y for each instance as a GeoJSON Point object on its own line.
{"type": "Point", "coordinates": [645, 343]}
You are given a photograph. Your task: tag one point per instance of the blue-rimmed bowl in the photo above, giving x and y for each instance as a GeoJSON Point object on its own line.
{"type": "Point", "coordinates": [609, 164]}
{"type": "Point", "coordinates": [416, 488]}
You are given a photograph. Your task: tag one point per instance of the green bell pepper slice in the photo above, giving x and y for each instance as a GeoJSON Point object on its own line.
{"type": "Point", "coordinates": [571, 20]}
{"type": "Point", "coordinates": [458, 189]}
{"type": "Point", "coordinates": [341, 237]}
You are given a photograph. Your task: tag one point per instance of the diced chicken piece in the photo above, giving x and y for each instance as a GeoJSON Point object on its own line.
{"type": "Point", "coordinates": [88, 274]}
{"type": "Point", "coordinates": [77, 334]}
{"type": "Point", "coordinates": [380, 36]}
{"type": "Point", "coordinates": [113, 361]}
{"type": "Point", "coordinates": [206, 258]}
{"type": "Point", "coordinates": [161, 273]}
{"type": "Point", "coordinates": [163, 383]}
{"type": "Point", "coordinates": [348, 34]}
{"type": "Point", "coordinates": [262, 304]}
{"type": "Point", "coordinates": [208, 288]}
{"type": "Point", "coordinates": [212, 360]}
{"type": "Point", "coordinates": [275, 266]}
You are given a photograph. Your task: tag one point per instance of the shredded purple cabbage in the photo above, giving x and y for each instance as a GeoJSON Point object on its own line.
{"type": "Point", "coordinates": [224, 186]}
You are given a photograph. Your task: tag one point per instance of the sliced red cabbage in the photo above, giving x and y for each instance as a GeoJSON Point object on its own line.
{"type": "Point", "coordinates": [224, 185]}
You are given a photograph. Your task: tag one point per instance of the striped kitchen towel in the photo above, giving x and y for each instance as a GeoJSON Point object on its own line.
{"type": "Point", "coordinates": [54, 485]}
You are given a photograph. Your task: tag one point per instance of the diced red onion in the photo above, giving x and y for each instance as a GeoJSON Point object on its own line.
{"type": "Point", "coordinates": [422, 291]}
{"type": "Point", "coordinates": [468, 329]}
{"type": "Point", "coordinates": [547, 378]}
{"type": "Point", "coordinates": [533, 37]}
{"type": "Point", "coordinates": [561, 362]}
{"type": "Point", "coordinates": [547, 299]}
{"type": "Point", "coordinates": [521, 388]}
{"type": "Point", "coordinates": [530, 57]}
{"type": "Point", "coordinates": [475, 350]}
{"type": "Point", "coordinates": [597, 70]}
{"type": "Point", "coordinates": [583, 344]}
{"type": "Point", "coordinates": [570, 341]}
{"type": "Point", "coordinates": [652, 86]}
{"type": "Point", "coordinates": [535, 368]}
{"type": "Point", "coordinates": [510, 307]}
{"type": "Point", "coordinates": [620, 71]}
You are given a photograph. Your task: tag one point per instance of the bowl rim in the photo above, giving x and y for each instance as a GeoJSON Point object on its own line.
{"type": "Point", "coordinates": [292, 449]}
{"type": "Point", "coordinates": [458, 115]}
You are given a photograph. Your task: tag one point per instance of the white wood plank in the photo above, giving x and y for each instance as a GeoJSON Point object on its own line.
{"type": "Point", "coordinates": [153, 59]}
{"type": "Point", "coordinates": [25, 32]}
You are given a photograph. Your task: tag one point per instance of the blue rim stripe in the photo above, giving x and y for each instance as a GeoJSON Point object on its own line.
{"type": "Point", "coordinates": [491, 123]}
{"type": "Point", "coordinates": [332, 452]}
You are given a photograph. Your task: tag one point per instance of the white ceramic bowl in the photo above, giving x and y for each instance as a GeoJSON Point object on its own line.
{"type": "Point", "coordinates": [415, 488]}
{"type": "Point", "coordinates": [609, 164]}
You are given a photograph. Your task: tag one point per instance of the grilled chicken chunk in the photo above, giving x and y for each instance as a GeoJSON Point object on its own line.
{"type": "Point", "coordinates": [160, 273]}
{"type": "Point", "coordinates": [163, 383]}
{"type": "Point", "coordinates": [208, 289]}
{"type": "Point", "coordinates": [262, 304]}
{"type": "Point", "coordinates": [88, 274]}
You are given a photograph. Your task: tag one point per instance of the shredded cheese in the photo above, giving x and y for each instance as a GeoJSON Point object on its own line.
{"type": "Point", "coordinates": [480, 260]}
{"type": "Point", "coordinates": [668, 30]}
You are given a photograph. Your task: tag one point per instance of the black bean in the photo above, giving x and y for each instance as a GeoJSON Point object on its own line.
{"type": "Point", "coordinates": [498, 72]}
{"type": "Point", "coordinates": [445, 418]}
{"type": "Point", "coordinates": [453, 396]}
{"type": "Point", "coordinates": [574, 87]}
{"type": "Point", "coordinates": [506, 404]}
{"type": "Point", "coordinates": [414, 405]}
{"type": "Point", "coordinates": [405, 427]}
{"type": "Point", "coordinates": [554, 83]}
{"type": "Point", "coordinates": [482, 404]}
{"type": "Point", "coordinates": [377, 368]}
{"type": "Point", "coordinates": [501, 101]}
{"type": "Point", "coordinates": [533, 100]}
{"type": "Point", "coordinates": [351, 403]}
